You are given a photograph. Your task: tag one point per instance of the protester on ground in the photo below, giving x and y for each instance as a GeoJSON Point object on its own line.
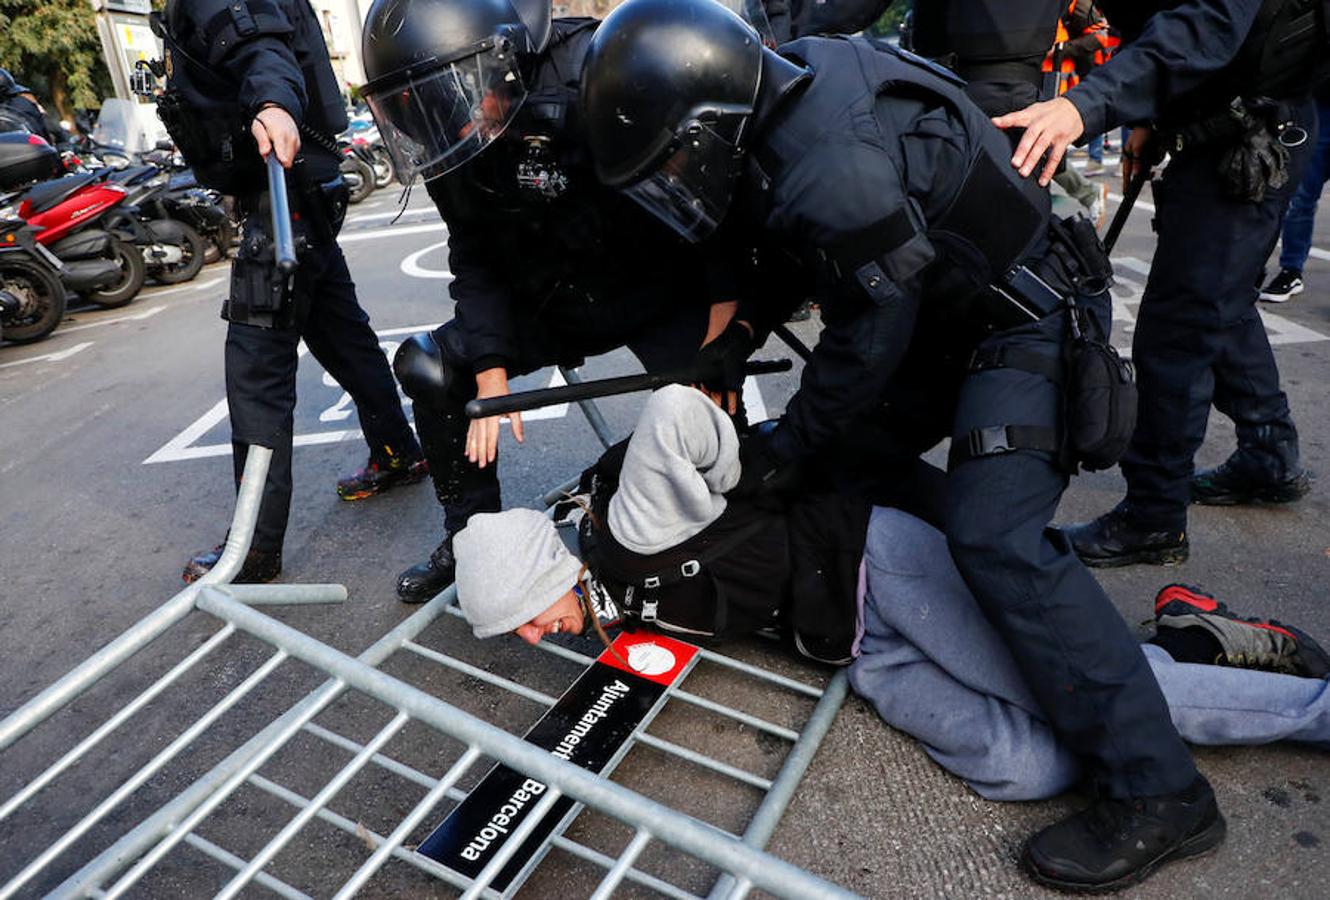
{"type": "Point", "coordinates": [919, 648]}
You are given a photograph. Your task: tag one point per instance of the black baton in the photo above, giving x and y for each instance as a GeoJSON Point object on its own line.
{"type": "Point", "coordinates": [604, 387]}
{"type": "Point", "coordinates": [1124, 209]}
{"type": "Point", "coordinates": [283, 241]}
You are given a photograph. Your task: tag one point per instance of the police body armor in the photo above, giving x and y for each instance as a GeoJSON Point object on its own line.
{"type": "Point", "coordinates": [989, 41]}
{"type": "Point", "coordinates": [1001, 259]}
{"type": "Point", "coordinates": [993, 222]}
{"type": "Point", "coordinates": [199, 105]}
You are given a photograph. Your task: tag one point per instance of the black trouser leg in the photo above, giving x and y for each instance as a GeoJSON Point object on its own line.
{"type": "Point", "coordinates": [339, 336]}
{"type": "Point", "coordinates": [261, 394]}
{"type": "Point", "coordinates": [1200, 340]}
{"type": "Point", "coordinates": [1074, 649]}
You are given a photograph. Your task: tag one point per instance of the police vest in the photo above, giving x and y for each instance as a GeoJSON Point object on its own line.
{"type": "Point", "coordinates": [973, 35]}
{"type": "Point", "coordinates": [994, 220]}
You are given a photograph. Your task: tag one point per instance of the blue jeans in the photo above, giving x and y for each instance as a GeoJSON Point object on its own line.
{"type": "Point", "coordinates": [1301, 215]}
{"type": "Point", "coordinates": [934, 667]}
{"type": "Point", "coordinates": [1095, 148]}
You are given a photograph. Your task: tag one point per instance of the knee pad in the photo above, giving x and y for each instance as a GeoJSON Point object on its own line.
{"type": "Point", "coordinates": [421, 370]}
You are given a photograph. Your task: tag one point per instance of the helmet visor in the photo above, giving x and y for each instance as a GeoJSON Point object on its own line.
{"type": "Point", "coordinates": [691, 190]}
{"type": "Point", "coordinates": [435, 122]}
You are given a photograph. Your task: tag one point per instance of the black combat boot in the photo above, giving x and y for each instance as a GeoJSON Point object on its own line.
{"type": "Point", "coordinates": [1232, 483]}
{"type": "Point", "coordinates": [1113, 844]}
{"type": "Point", "coordinates": [1116, 539]}
{"type": "Point", "coordinates": [421, 582]}
{"type": "Point", "coordinates": [260, 567]}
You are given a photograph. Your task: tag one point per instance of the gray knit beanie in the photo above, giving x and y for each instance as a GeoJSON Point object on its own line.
{"type": "Point", "coordinates": [511, 567]}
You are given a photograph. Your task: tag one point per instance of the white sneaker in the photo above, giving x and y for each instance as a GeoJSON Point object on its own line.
{"type": "Point", "coordinates": [1283, 286]}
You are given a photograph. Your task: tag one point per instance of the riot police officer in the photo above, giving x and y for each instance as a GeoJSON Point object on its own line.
{"type": "Point", "coordinates": [942, 317]}
{"type": "Point", "coordinates": [1223, 87]}
{"type": "Point", "coordinates": [480, 98]}
{"type": "Point", "coordinates": [246, 78]}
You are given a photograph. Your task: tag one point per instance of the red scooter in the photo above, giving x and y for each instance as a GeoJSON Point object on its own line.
{"type": "Point", "coordinates": [67, 212]}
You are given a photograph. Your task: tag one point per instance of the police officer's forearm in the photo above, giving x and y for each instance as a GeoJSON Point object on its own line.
{"type": "Point", "coordinates": [1177, 50]}
{"type": "Point", "coordinates": [268, 73]}
{"type": "Point", "coordinates": [845, 379]}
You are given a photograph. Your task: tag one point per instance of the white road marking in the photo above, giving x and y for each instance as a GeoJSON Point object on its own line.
{"type": "Point", "coordinates": [1128, 291]}
{"type": "Point", "coordinates": [192, 286]}
{"type": "Point", "coordinates": [390, 232]}
{"type": "Point", "coordinates": [49, 357]}
{"type": "Point", "coordinates": [411, 265]}
{"type": "Point", "coordinates": [754, 406]}
{"type": "Point", "coordinates": [388, 215]}
{"type": "Point", "coordinates": [182, 447]}
{"type": "Point", "coordinates": [135, 317]}
{"type": "Point", "coordinates": [1117, 198]}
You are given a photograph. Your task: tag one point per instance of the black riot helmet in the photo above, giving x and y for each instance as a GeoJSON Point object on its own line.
{"type": "Point", "coordinates": [668, 87]}
{"type": "Point", "coordinates": [446, 77]}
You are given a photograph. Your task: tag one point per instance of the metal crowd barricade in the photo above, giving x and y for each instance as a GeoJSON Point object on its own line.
{"type": "Point", "coordinates": [134, 854]}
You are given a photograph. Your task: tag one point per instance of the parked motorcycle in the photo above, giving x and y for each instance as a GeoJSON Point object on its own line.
{"type": "Point", "coordinates": [67, 213]}
{"type": "Point", "coordinates": [201, 209]}
{"type": "Point", "coordinates": [32, 299]}
{"type": "Point", "coordinates": [358, 170]}
{"type": "Point", "coordinates": [173, 252]}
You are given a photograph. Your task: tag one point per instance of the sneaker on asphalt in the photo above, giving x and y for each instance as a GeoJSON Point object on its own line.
{"type": "Point", "coordinates": [1093, 167]}
{"type": "Point", "coordinates": [1114, 539]}
{"type": "Point", "coordinates": [421, 582]}
{"type": "Point", "coordinates": [1283, 286]}
{"type": "Point", "coordinates": [1113, 844]}
{"type": "Point", "coordinates": [380, 475]}
{"type": "Point", "coordinates": [260, 567]}
{"type": "Point", "coordinates": [1247, 643]}
{"type": "Point", "coordinates": [1232, 484]}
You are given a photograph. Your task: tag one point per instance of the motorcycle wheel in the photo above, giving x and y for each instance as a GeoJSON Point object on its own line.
{"type": "Point", "coordinates": [359, 178]}
{"type": "Point", "coordinates": [220, 240]}
{"type": "Point", "coordinates": [43, 296]}
{"type": "Point", "coordinates": [194, 249]}
{"type": "Point", "coordinates": [383, 167]}
{"type": "Point", "coordinates": [133, 272]}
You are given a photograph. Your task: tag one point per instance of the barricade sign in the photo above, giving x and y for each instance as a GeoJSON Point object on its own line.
{"type": "Point", "coordinates": [590, 726]}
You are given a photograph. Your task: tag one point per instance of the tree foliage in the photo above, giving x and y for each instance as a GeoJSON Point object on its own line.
{"type": "Point", "coordinates": [890, 22]}
{"type": "Point", "coordinates": [55, 41]}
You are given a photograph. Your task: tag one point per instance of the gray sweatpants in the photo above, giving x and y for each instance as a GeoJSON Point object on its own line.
{"type": "Point", "coordinates": [935, 668]}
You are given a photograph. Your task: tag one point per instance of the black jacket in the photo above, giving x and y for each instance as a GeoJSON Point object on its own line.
{"type": "Point", "coordinates": [1172, 51]}
{"type": "Point", "coordinates": [515, 251]}
{"type": "Point", "coordinates": [885, 176]}
{"type": "Point", "coordinates": [271, 51]}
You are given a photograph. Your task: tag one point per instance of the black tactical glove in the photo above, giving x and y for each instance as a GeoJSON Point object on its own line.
{"type": "Point", "coordinates": [764, 474]}
{"type": "Point", "coordinates": [720, 363]}
{"type": "Point", "coordinates": [1259, 162]}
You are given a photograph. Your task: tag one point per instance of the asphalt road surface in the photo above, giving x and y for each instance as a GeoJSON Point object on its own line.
{"type": "Point", "coordinates": [114, 468]}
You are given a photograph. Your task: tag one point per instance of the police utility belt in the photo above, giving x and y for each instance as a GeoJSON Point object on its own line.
{"type": "Point", "coordinates": [1097, 385]}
